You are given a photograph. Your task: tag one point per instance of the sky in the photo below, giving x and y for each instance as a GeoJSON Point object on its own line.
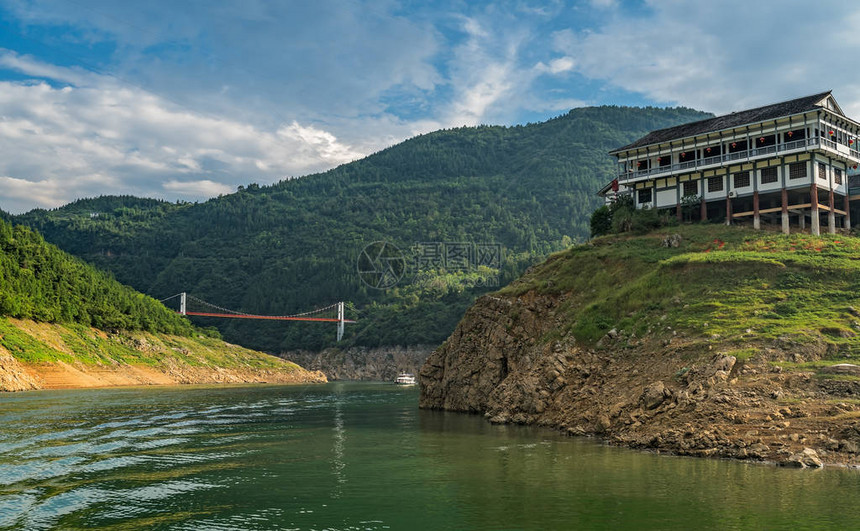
{"type": "Point", "coordinates": [189, 99]}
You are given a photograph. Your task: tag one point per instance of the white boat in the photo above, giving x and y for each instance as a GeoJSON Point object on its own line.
{"type": "Point", "coordinates": [405, 379]}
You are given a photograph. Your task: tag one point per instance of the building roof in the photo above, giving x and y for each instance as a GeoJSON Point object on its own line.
{"type": "Point", "coordinates": [728, 121]}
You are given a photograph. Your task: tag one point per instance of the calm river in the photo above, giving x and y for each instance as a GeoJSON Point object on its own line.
{"type": "Point", "coordinates": [362, 456]}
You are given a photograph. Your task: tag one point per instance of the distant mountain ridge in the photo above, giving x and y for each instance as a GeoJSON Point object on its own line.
{"type": "Point", "coordinates": [291, 246]}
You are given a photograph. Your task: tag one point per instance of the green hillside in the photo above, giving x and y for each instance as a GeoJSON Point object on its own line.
{"type": "Point", "coordinates": [63, 323]}
{"type": "Point", "coordinates": [289, 247]}
{"type": "Point", "coordinates": [40, 282]}
{"type": "Point", "coordinates": [735, 287]}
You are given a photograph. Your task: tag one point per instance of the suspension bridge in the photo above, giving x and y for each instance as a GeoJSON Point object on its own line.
{"type": "Point", "coordinates": [333, 313]}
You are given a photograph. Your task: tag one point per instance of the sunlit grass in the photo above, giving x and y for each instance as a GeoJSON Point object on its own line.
{"type": "Point", "coordinates": [731, 284]}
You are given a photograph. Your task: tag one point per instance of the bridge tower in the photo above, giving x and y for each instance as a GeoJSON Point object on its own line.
{"type": "Point", "coordinates": [182, 303]}
{"type": "Point", "coordinates": [340, 321]}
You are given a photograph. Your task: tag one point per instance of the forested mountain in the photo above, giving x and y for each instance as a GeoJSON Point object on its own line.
{"type": "Point", "coordinates": [296, 245]}
{"type": "Point", "coordinates": [40, 282]}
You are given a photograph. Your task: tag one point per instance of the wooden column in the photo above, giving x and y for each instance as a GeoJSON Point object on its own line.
{"type": "Point", "coordinates": [728, 210]}
{"type": "Point", "coordinates": [813, 199]}
{"type": "Point", "coordinates": [847, 206]}
{"type": "Point", "coordinates": [704, 208]}
{"type": "Point", "coordinates": [831, 216]}
{"type": "Point", "coordinates": [756, 218]}
{"type": "Point", "coordinates": [785, 229]}
{"type": "Point", "coordinates": [678, 212]}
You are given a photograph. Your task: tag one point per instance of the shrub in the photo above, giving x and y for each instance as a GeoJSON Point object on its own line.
{"type": "Point", "coordinates": [601, 221]}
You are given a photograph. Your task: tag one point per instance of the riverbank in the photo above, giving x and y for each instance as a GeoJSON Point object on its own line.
{"type": "Point", "coordinates": [381, 364]}
{"type": "Point", "coordinates": [52, 356]}
{"type": "Point", "coordinates": [727, 343]}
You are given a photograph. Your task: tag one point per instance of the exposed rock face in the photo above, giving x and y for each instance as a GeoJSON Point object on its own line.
{"type": "Point", "coordinates": [360, 363]}
{"type": "Point", "coordinates": [662, 391]}
{"type": "Point", "coordinates": [13, 376]}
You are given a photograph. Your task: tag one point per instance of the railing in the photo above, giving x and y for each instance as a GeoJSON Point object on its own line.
{"type": "Point", "coordinates": [737, 156]}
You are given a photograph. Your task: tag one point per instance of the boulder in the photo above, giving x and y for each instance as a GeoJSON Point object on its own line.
{"type": "Point", "coordinates": [673, 240]}
{"type": "Point", "coordinates": [807, 458]}
{"type": "Point", "coordinates": [654, 395]}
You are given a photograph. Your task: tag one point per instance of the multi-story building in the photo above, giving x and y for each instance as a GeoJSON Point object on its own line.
{"type": "Point", "coordinates": [786, 163]}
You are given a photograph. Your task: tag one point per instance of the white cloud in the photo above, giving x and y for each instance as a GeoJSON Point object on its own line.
{"type": "Point", "coordinates": [723, 56]}
{"type": "Point", "coordinates": [101, 138]}
{"type": "Point", "coordinates": [201, 188]}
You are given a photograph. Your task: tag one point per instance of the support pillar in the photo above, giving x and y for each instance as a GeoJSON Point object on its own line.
{"type": "Point", "coordinates": [847, 207]}
{"type": "Point", "coordinates": [678, 213]}
{"type": "Point", "coordinates": [831, 216]}
{"type": "Point", "coordinates": [802, 220]}
{"type": "Point", "coordinates": [182, 303]}
{"type": "Point", "coordinates": [785, 228]}
{"type": "Point", "coordinates": [756, 218]}
{"type": "Point", "coordinates": [813, 198]}
{"type": "Point", "coordinates": [704, 209]}
{"type": "Point", "coordinates": [728, 210]}
{"type": "Point", "coordinates": [340, 321]}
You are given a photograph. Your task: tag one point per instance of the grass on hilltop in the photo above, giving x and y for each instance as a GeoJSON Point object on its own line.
{"type": "Point", "coordinates": [722, 283]}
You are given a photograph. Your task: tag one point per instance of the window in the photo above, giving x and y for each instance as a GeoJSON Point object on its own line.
{"type": "Point", "coordinates": [664, 160]}
{"type": "Point", "coordinates": [712, 151]}
{"type": "Point", "coordinates": [687, 156]}
{"type": "Point", "coordinates": [741, 179]}
{"type": "Point", "coordinates": [792, 136]}
{"type": "Point", "coordinates": [642, 165]}
{"type": "Point", "coordinates": [691, 188]}
{"type": "Point", "coordinates": [822, 171]}
{"type": "Point", "coordinates": [764, 141]}
{"type": "Point", "coordinates": [715, 184]}
{"type": "Point", "coordinates": [644, 195]}
{"type": "Point", "coordinates": [797, 170]}
{"type": "Point", "coordinates": [837, 176]}
{"type": "Point", "coordinates": [769, 175]}
{"type": "Point", "coordinates": [739, 145]}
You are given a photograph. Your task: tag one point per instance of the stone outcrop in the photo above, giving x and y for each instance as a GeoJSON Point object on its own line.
{"type": "Point", "coordinates": [663, 391]}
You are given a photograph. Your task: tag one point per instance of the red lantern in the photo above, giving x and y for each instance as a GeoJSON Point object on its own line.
{"type": "Point", "coordinates": [734, 144]}
{"type": "Point", "coordinates": [708, 150]}
{"type": "Point", "coordinates": [683, 155]}
{"type": "Point", "coordinates": [832, 133]}
{"type": "Point", "coordinates": [761, 140]}
{"type": "Point", "coordinates": [850, 141]}
{"type": "Point", "coordinates": [790, 134]}
{"type": "Point", "coordinates": [855, 166]}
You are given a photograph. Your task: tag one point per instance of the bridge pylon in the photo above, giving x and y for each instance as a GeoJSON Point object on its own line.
{"type": "Point", "coordinates": [182, 303]}
{"type": "Point", "coordinates": [340, 321]}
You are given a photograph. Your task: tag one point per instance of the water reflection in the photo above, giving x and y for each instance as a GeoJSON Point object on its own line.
{"type": "Point", "coordinates": [362, 456]}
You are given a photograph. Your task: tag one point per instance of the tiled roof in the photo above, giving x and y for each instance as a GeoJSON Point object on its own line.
{"type": "Point", "coordinates": [728, 121]}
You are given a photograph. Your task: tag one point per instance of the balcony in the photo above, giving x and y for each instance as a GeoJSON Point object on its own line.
{"type": "Point", "coordinates": [744, 156]}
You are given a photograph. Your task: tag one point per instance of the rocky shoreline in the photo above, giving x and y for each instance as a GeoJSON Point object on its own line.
{"type": "Point", "coordinates": [362, 363]}
{"type": "Point", "coordinates": [663, 391]}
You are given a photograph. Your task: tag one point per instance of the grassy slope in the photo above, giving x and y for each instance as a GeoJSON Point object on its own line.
{"type": "Point", "coordinates": [32, 342]}
{"type": "Point", "coordinates": [738, 288]}
{"type": "Point", "coordinates": [54, 309]}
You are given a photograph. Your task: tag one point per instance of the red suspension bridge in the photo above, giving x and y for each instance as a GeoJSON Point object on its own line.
{"type": "Point", "coordinates": [330, 314]}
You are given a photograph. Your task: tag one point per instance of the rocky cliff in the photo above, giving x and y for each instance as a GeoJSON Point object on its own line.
{"type": "Point", "coordinates": [360, 363]}
{"type": "Point", "coordinates": [653, 347]}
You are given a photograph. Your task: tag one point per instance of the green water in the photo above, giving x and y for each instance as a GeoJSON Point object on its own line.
{"type": "Point", "coordinates": [362, 456]}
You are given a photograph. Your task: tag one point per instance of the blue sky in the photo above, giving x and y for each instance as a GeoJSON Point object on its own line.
{"type": "Point", "coordinates": [188, 100]}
